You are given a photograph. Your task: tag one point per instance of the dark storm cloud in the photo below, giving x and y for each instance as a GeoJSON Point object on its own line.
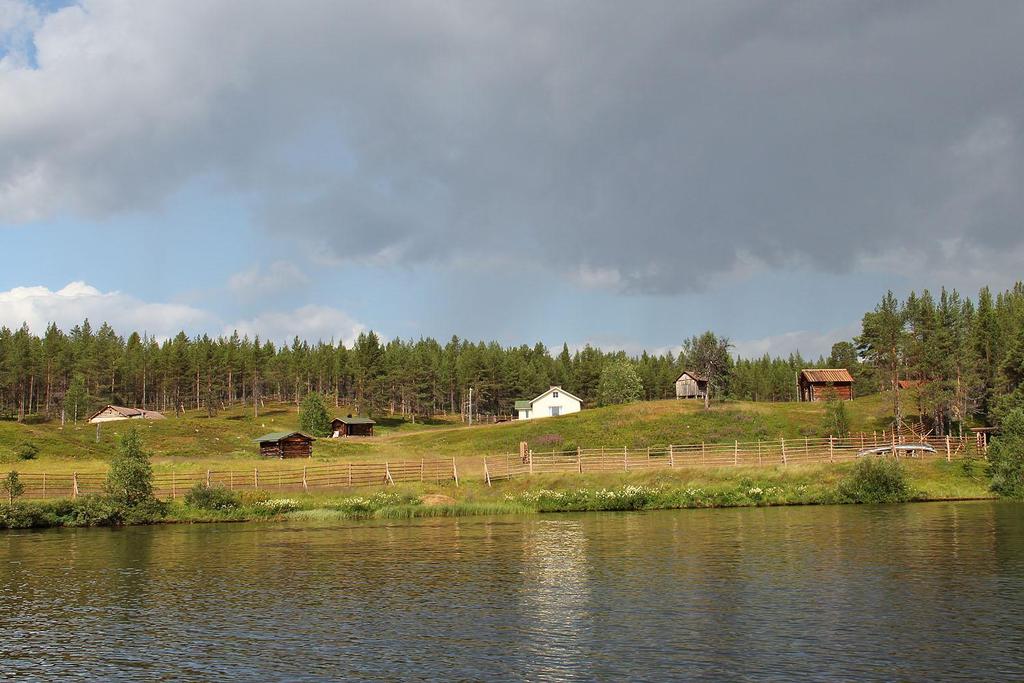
{"type": "Point", "coordinates": [641, 146]}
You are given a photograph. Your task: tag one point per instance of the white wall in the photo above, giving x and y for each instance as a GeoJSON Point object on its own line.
{"type": "Point", "coordinates": [542, 406]}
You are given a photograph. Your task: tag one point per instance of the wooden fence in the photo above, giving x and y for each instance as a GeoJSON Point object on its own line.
{"type": "Point", "coordinates": [171, 485]}
{"type": "Point", "coordinates": [497, 467]}
{"type": "Point", "coordinates": [735, 454]}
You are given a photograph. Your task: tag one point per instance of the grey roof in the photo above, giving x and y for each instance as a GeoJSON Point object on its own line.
{"type": "Point", "coordinates": [696, 376]}
{"type": "Point", "coordinates": [355, 420]}
{"type": "Point", "coordinates": [129, 412]}
{"type": "Point", "coordinates": [277, 436]}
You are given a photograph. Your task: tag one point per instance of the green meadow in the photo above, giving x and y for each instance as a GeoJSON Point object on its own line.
{"type": "Point", "coordinates": [195, 441]}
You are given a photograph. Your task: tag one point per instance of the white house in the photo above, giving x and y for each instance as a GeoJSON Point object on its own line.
{"type": "Point", "coordinates": [552, 403]}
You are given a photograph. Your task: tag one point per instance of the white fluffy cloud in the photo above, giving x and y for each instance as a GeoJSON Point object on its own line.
{"type": "Point", "coordinates": [638, 148]}
{"type": "Point", "coordinates": [810, 344]}
{"type": "Point", "coordinates": [39, 306]}
{"type": "Point", "coordinates": [309, 322]}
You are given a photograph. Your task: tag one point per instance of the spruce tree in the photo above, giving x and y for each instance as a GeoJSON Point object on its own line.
{"type": "Point", "coordinates": [130, 479]}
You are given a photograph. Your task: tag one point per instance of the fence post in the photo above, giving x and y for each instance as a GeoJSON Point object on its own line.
{"type": "Point", "coordinates": [759, 452]}
{"type": "Point", "coordinates": [455, 471]}
{"type": "Point", "coordinates": [387, 474]}
{"type": "Point", "coordinates": [806, 451]}
{"type": "Point", "coordinates": [350, 474]}
{"type": "Point", "coordinates": [74, 484]}
{"type": "Point", "coordinates": [579, 459]}
{"type": "Point", "coordinates": [783, 450]}
{"type": "Point", "coordinates": [173, 491]}
{"type": "Point", "coordinates": [625, 459]}
{"type": "Point", "coordinates": [231, 479]}
{"type": "Point", "coordinates": [207, 478]}
{"type": "Point", "coordinates": [487, 473]}
{"type": "Point", "coordinates": [894, 444]}
{"type": "Point", "coordinates": [831, 449]}
{"type": "Point", "coordinates": [44, 484]}
{"type": "Point", "coordinates": [421, 469]}
{"type": "Point", "coordinates": [671, 457]}
{"type": "Point", "coordinates": [305, 484]}
{"type": "Point", "coordinates": [736, 454]}
{"type": "Point", "coordinates": [948, 458]}
{"type": "Point", "coordinates": [255, 478]}
{"type": "Point", "coordinates": [702, 453]}
{"type": "Point", "coordinates": [529, 459]}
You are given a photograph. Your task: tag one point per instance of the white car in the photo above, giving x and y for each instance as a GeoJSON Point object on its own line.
{"type": "Point", "coordinates": [911, 449]}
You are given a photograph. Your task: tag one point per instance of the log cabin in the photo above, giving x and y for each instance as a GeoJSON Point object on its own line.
{"type": "Point", "coordinates": [816, 384]}
{"type": "Point", "coordinates": [286, 445]}
{"type": "Point", "coordinates": [691, 385]}
{"type": "Point", "coordinates": [352, 426]}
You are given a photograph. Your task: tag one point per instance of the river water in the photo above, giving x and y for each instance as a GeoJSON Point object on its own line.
{"type": "Point", "coordinates": [913, 592]}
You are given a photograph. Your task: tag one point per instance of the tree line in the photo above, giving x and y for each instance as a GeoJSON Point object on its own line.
{"type": "Point", "coordinates": [967, 356]}
{"type": "Point", "coordinates": [963, 358]}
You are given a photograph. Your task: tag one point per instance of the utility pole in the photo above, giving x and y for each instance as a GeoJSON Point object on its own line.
{"type": "Point", "coordinates": [471, 406]}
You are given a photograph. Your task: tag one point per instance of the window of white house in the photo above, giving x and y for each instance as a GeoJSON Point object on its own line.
{"type": "Point", "coordinates": [554, 394]}
{"type": "Point", "coordinates": [556, 411]}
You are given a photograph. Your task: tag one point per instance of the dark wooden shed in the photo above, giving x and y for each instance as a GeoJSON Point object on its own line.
{"type": "Point", "coordinates": [818, 383]}
{"type": "Point", "coordinates": [286, 445]}
{"type": "Point", "coordinates": [352, 426]}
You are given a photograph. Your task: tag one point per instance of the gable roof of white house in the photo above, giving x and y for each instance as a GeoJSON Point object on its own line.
{"type": "Point", "coordinates": [534, 400]}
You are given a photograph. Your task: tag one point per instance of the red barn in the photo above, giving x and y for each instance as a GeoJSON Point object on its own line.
{"type": "Point", "coordinates": [818, 384]}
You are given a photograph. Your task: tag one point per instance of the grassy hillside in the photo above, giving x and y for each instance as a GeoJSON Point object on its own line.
{"type": "Point", "coordinates": [647, 423]}
{"type": "Point", "coordinates": [196, 441]}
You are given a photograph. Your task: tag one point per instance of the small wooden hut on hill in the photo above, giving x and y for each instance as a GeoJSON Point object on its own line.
{"type": "Point", "coordinates": [691, 385]}
{"type": "Point", "coordinates": [286, 445]}
{"type": "Point", "coordinates": [352, 426]}
{"type": "Point", "coordinates": [110, 413]}
{"type": "Point", "coordinates": [816, 384]}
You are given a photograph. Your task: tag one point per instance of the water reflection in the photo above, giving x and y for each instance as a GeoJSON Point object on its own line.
{"type": "Point", "coordinates": [918, 592]}
{"type": "Point", "coordinates": [555, 598]}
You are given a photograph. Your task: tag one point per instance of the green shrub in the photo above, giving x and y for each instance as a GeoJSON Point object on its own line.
{"type": "Point", "coordinates": [26, 450]}
{"type": "Point", "coordinates": [877, 480]}
{"type": "Point", "coordinates": [130, 479]}
{"type": "Point", "coordinates": [205, 497]}
{"type": "Point", "coordinates": [26, 516]}
{"type": "Point", "coordinates": [84, 511]}
{"type": "Point", "coordinates": [1006, 457]}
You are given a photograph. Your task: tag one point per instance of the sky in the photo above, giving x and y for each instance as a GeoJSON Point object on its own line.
{"type": "Point", "coordinates": [620, 174]}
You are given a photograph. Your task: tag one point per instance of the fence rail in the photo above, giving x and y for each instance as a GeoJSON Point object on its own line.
{"type": "Point", "coordinates": [171, 485]}
{"type": "Point", "coordinates": [735, 454]}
